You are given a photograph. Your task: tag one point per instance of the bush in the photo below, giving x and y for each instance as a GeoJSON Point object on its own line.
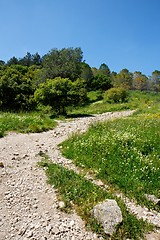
{"type": "Point", "coordinates": [116, 95]}
{"type": "Point", "coordinates": [60, 93]}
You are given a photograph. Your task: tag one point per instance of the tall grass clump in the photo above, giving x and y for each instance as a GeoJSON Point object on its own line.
{"type": "Point", "coordinates": [123, 152]}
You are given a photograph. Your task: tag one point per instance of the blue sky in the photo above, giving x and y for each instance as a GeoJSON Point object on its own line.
{"type": "Point", "coordinates": [120, 33]}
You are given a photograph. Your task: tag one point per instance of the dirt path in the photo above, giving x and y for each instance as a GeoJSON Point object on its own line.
{"type": "Point", "coordinates": [28, 206]}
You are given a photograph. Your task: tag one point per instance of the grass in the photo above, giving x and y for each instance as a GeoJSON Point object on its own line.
{"type": "Point", "coordinates": [83, 195]}
{"type": "Point", "coordinates": [137, 100]}
{"type": "Point", "coordinates": [25, 122]}
{"type": "Point", "coordinates": [122, 152]}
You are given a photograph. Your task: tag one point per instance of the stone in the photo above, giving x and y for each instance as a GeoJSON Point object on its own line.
{"type": "Point", "coordinates": [108, 214]}
{"type": "Point", "coordinates": [72, 223]}
{"type": "Point", "coordinates": [153, 199]}
{"type": "Point", "coordinates": [61, 204]}
{"type": "Point", "coordinates": [29, 234]}
{"type": "Point", "coordinates": [48, 228]}
{"type": "Point", "coordinates": [1, 165]}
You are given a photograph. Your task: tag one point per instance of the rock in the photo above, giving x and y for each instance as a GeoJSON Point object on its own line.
{"type": "Point", "coordinates": [48, 228]}
{"type": "Point", "coordinates": [108, 214]}
{"type": "Point", "coordinates": [1, 165]}
{"type": "Point", "coordinates": [29, 234]}
{"type": "Point", "coordinates": [153, 199]}
{"type": "Point", "coordinates": [72, 223]}
{"type": "Point", "coordinates": [61, 204]}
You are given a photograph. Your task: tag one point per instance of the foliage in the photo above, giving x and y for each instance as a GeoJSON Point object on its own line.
{"type": "Point", "coordinates": [28, 60]}
{"type": "Point", "coordinates": [155, 81]}
{"type": "Point", "coordinates": [140, 81]}
{"type": "Point", "coordinates": [123, 79]}
{"type": "Point", "coordinates": [25, 122]}
{"type": "Point", "coordinates": [64, 63]}
{"type": "Point", "coordinates": [104, 69]}
{"type": "Point", "coordinates": [16, 90]}
{"type": "Point", "coordinates": [101, 82]}
{"type": "Point", "coordinates": [87, 74]}
{"type": "Point", "coordinates": [61, 93]}
{"type": "Point", "coordinates": [116, 95]}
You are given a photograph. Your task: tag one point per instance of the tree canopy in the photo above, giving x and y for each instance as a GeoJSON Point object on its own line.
{"type": "Point", "coordinates": [61, 79]}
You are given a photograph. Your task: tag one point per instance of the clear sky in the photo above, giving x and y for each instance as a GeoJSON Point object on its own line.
{"type": "Point", "coordinates": [120, 33]}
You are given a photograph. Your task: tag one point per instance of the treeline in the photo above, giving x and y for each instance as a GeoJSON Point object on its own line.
{"type": "Point", "coordinates": [60, 79]}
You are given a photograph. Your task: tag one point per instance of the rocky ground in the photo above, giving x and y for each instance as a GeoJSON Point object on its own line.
{"type": "Point", "coordinates": [28, 205]}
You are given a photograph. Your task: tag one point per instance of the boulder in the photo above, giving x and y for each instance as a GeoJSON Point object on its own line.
{"type": "Point", "coordinates": [108, 214]}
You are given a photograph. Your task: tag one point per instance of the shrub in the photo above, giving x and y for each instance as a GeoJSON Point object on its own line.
{"type": "Point", "coordinates": [115, 95]}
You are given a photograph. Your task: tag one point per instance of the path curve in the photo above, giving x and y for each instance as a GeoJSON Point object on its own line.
{"type": "Point", "coordinates": [28, 205]}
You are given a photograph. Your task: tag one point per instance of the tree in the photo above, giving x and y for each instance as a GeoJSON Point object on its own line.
{"type": "Point", "coordinates": [60, 93]}
{"type": "Point", "coordinates": [140, 81]}
{"type": "Point", "coordinates": [94, 71]}
{"type": "Point", "coordinates": [16, 90]}
{"type": "Point", "coordinates": [64, 63]}
{"type": "Point", "coordinates": [155, 81]}
{"type": "Point", "coordinates": [36, 59]}
{"type": "Point", "coordinates": [2, 63]}
{"type": "Point", "coordinates": [12, 61]}
{"type": "Point", "coordinates": [87, 74]}
{"type": "Point", "coordinates": [26, 60]}
{"type": "Point", "coordinates": [104, 69]}
{"type": "Point", "coordinates": [123, 79]}
{"type": "Point", "coordinates": [101, 82]}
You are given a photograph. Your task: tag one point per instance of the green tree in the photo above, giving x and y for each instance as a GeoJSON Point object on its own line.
{"type": "Point", "coordinates": [101, 82]}
{"type": "Point", "coordinates": [12, 61]}
{"type": "Point", "coordinates": [65, 63]}
{"type": "Point", "coordinates": [87, 74]}
{"type": "Point", "coordinates": [104, 69]}
{"type": "Point", "coordinates": [2, 63]}
{"type": "Point", "coordinates": [60, 93]}
{"type": "Point", "coordinates": [16, 90]}
{"type": "Point", "coordinates": [26, 60]}
{"type": "Point", "coordinates": [94, 71]}
{"type": "Point", "coordinates": [123, 79]}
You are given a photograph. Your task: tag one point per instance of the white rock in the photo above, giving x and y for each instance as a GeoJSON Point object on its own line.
{"type": "Point", "coordinates": [108, 214]}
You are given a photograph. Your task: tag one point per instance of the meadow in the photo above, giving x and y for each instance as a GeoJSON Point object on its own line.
{"type": "Point", "coordinates": [124, 153]}
{"type": "Point", "coordinates": [25, 122]}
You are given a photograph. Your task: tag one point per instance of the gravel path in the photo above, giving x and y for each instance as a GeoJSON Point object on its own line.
{"type": "Point", "coordinates": [28, 206]}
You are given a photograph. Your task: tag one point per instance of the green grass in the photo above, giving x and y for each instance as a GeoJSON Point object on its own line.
{"type": "Point", "coordinates": [25, 122]}
{"type": "Point", "coordinates": [124, 152]}
{"type": "Point", "coordinates": [137, 100]}
{"type": "Point", "coordinates": [83, 195]}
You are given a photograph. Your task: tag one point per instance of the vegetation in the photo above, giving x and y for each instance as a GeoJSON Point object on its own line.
{"type": "Point", "coordinates": [83, 195]}
{"type": "Point", "coordinates": [124, 152]}
{"type": "Point", "coordinates": [116, 95]}
{"type": "Point", "coordinates": [24, 82]}
{"type": "Point", "coordinates": [25, 122]}
{"type": "Point", "coordinates": [59, 93]}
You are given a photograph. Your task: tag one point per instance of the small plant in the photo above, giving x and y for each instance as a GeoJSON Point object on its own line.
{"type": "Point", "coordinates": [116, 95]}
